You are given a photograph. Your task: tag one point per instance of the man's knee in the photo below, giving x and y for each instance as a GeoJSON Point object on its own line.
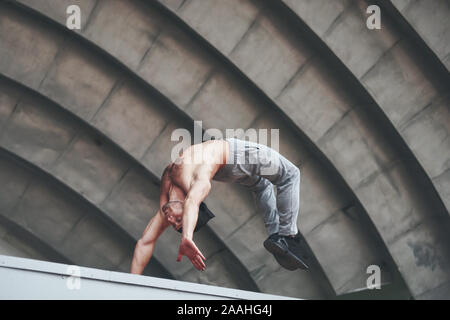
{"type": "Point", "coordinates": [259, 184]}
{"type": "Point", "coordinates": [294, 172]}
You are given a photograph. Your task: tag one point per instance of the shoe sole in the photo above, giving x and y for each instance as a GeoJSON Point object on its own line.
{"type": "Point", "coordinates": [292, 260]}
{"type": "Point", "coordinates": [285, 262]}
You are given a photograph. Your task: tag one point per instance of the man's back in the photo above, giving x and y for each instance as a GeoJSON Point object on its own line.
{"type": "Point", "coordinates": [197, 162]}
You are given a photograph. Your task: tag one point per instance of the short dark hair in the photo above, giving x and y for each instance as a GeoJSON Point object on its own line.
{"type": "Point", "coordinates": [204, 215]}
{"type": "Point", "coordinates": [169, 203]}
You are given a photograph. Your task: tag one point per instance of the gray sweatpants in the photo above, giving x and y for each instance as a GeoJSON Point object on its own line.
{"type": "Point", "coordinates": [259, 168]}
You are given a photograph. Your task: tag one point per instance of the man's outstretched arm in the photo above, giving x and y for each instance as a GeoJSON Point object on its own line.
{"type": "Point", "coordinates": [145, 246]}
{"type": "Point", "coordinates": [198, 192]}
{"type": "Point", "coordinates": [165, 186]}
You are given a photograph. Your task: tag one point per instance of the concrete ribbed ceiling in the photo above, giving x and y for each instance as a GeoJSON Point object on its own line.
{"type": "Point", "coordinates": [363, 113]}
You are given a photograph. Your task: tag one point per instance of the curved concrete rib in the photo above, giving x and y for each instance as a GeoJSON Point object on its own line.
{"type": "Point", "coordinates": [374, 158]}
{"type": "Point", "coordinates": [38, 203]}
{"type": "Point", "coordinates": [120, 190]}
{"type": "Point", "coordinates": [345, 224]}
{"type": "Point", "coordinates": [420, 22]}
{"type": "Point", "coordinates": [430, 20]}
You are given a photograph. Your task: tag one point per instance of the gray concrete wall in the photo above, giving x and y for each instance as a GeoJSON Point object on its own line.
{"type": "Point", "coordinates": [12, 244]}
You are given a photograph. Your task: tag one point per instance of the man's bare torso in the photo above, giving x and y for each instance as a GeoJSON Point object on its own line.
{"type": "Point", "coordinates": [199, 161]}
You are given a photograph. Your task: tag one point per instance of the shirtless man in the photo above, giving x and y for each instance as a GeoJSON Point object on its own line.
{"type": "Point", "coordinates": [186, 182]}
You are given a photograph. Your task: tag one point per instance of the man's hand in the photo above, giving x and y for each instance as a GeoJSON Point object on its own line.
{"type": "Point", "coordinates": [190, 250]}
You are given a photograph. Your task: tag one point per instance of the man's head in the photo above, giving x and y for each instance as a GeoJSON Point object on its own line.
{"type": "Point", "coordinates": [173, 211]}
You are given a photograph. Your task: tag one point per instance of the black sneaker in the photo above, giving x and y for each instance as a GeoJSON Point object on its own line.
{"type": "Point", "coordinates": [286, 262]}
{"type": "Point", "coordinates": [297, 248]}
{"type": "Point", "coordinates": [287, 251]}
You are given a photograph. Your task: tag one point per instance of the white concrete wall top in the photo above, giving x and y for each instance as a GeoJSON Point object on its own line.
{"type": "Point", "coordinates": [26, 279]}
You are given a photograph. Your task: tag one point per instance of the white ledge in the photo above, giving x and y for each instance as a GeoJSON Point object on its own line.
{"type": "Point", "coordinates": [30, 279]}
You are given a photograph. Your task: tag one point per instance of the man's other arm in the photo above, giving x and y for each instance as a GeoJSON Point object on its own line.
{"type": "Point", "coordinates": [165, 186]}
{"type": "Point", "coordinates": [145, 246]}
